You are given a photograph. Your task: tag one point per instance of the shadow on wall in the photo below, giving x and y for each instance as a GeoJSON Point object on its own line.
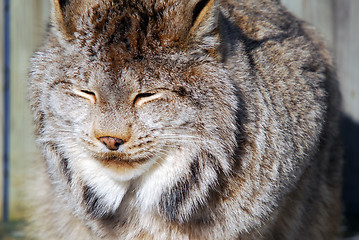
{"type": "Point", "coordinates": [350, 135]}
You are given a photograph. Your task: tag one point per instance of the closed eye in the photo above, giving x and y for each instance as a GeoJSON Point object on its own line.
{"type": "Point", "coordinates": [87, 94]}
{"type": "Point", "coordinates": [143, 98]}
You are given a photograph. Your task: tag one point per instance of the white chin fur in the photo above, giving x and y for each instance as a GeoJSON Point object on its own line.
{"type": "Point", "coordinates": [152, 179]}
{"type": "Point", "coordinates": [128, 173]}
{"type": "Point", "coordinates": [153, 183]}
{"type": "Point", "coordinates": [110, 189]}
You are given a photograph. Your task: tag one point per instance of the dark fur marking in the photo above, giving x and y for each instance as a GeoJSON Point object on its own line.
{"type": "Point", "coordinates": [132, 30]}
{"type": "Point", "coordinates": [63, 4]}
{"type": "Point", "coordinates": [195, 171]}
{"type": "Point", "coordinates": [60, 82]}
{"type": "Point", "coordinates": [217, 189]}
{"type": "Point", "coordinates": [40, 123]}
{"type": "Point", "coordinates": [64, 162]}
{"type": "Point", "coordinates": [198, 9]}
{"type": "Point", "coordinates": [171, 201]}
{"type": "Point", "coordinates": [181, 91]}
{"type": "Point", "coordinates": [251, 45]}
{"type": "Point", "coordinates": [232, 33]}
{"type": "Point", "coordinates": [92, 202]}
{"type": "Point", "coordinates": [94, 205]}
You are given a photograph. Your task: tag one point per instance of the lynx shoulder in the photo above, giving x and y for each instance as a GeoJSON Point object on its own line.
{"type": "Point", "coordinates": [184, 119]}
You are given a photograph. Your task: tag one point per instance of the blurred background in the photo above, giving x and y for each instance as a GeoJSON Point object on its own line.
{"type": "Point", "coordinates": [23, 25]}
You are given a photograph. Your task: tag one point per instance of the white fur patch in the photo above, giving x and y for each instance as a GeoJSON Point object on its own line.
{"type": "Point", "coordinates": [163, 175]}
{"type": "Point", "coordinates": [97, 177]}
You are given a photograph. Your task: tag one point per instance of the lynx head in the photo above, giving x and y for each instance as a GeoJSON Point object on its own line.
{"type": "Point", "coordinates": [133, 95]}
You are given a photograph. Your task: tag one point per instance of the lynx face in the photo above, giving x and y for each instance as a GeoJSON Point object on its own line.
{"type": "Point", "coordinates": [111, 125]}
{"type": "Point", "coordinates": [128, 121]}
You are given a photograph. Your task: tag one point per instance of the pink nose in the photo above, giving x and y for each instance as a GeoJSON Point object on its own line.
{"type": "Point", "coordinates": [112, 143]}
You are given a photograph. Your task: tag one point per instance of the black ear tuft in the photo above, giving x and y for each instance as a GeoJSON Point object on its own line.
{"type": "Point", "coordinates": [63, 3]}
{"type": "Point", "coordinates": [198, 9]}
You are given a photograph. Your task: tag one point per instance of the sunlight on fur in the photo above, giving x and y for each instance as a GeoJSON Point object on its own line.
{"type": "Point", "coordinates": [184, 119]}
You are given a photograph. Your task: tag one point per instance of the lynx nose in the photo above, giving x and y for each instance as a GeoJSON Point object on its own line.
{"type": "Point", "coordinates": [112, 143]}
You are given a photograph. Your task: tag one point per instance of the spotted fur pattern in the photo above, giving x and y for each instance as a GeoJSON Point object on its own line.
{"type": "Point", "coordinates": [224, 114]}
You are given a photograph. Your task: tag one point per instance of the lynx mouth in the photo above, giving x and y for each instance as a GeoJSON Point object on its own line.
{"type": "Point", "coordinates": [119, 161]}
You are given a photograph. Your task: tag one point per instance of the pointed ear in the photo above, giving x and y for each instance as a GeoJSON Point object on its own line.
{"type": "Point", "coordinates": [202, 11]}
{"type": "Point", "coordinates": [66, 14]}
{"type": "Point", "coordinates": [204, 18]}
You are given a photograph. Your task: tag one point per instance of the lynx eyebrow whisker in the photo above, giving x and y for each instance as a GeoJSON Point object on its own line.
{"type": "Point", "coordinates": [159, 153]}
{"type": "Point", "coordinates": [174, 135]}
{"type": "Point", "coordinates": [180, 138]}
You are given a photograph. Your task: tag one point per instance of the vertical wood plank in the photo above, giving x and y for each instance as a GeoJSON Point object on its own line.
{"type": "Point", "coordinates": [28, 24]}
{"type": "Point", "coordinates": [296, 7]}
{"type": "Point", "coordinates": [317, 12]}
{"type": "Point", "coordinates": [1, 103]}
{"type": "Point", "coordinates": [347, 53]}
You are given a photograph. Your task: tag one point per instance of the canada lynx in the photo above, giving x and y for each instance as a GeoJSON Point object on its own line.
{"type": "Point", "coordinates": [185, 119]}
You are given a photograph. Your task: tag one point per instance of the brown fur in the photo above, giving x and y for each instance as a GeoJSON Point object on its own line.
{"type": "Point", "coordinates": [225, 115]}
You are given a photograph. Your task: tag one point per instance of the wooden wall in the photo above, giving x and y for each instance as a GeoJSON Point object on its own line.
{"type": "Point", "coordinates": [347, 53]}
{"type": "Point", "coordinates": [336, 19]}
{"type": "Point", "coordinates": [1, 103]}
{"type": "Point", "coordinates": [28, 24]}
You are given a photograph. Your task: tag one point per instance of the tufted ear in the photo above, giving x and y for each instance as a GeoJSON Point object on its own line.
{"type": "Point", "coordinates": [202, 11]}
{"type": "Point", "coordinates": [204, 19]}
{"type": "Point", "coordinates": [191, 19]}
{"type": "Point", "coordinates": [66, 15]}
